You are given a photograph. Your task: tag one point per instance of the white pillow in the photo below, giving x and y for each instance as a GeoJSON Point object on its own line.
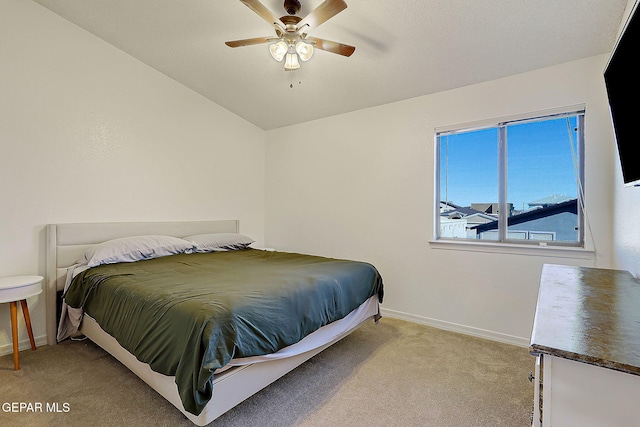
{"type": "Point", "coordinates": [219, 242]}
{"type": "Point", "coordinates": [134, 248]}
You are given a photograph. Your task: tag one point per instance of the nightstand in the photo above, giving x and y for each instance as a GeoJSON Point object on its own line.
{"type": "Point", "coordinates": [12, 290]}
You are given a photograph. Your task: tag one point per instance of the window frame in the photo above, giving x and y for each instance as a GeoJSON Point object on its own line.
{"type": "Point", "coordinates": [562, 248]}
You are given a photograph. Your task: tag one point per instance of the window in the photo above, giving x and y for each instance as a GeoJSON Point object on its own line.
{"type": "Point", "coordinates": [512, 181]}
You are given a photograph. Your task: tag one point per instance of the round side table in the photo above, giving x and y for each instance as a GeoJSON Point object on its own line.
{"type": "Point", "coordinates": [12, 290]}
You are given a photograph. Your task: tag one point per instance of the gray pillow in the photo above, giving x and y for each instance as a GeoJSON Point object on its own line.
{"type": "Point", "coordinates": [134, 248]}
{"type": "Point", "coordinates": [219, 242]}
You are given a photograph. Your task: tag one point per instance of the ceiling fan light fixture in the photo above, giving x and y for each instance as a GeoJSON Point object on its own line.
{"type": "Point", "coordinates": [305, 50]}
{"type": "Point", "coordinates": [292, 44]}
{"type": "Point", "coordinates": [291, 62]}
{"type": "Point", "coordinates": [278, 50]}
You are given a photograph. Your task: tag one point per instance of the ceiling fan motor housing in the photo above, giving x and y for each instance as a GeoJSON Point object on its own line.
{"type": "Point", "coordinates": [292, 6]}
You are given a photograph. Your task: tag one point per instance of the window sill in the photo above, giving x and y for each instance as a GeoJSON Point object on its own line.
{"type": "Point", "coordinates": [514, 249]}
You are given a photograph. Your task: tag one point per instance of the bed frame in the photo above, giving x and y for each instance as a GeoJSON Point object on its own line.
{"type": "Point", "coordinates": [65, 245]}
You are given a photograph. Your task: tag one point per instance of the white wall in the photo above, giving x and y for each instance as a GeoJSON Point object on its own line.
{"type": "Point", "coordinates": [361, 185]}
{"type": "Point", "coordinates": [87, 133]}
{"type": "Point", "coordinates": [627, 227]}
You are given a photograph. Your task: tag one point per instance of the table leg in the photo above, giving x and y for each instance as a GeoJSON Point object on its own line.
{"type": "Point", "coordinates": [27, 321]}
{"type": "Point", "coordinates": [13, 307]}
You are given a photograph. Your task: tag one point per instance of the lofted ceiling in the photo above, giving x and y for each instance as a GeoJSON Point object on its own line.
{"type": "Point", "coordinates": [404, 49]}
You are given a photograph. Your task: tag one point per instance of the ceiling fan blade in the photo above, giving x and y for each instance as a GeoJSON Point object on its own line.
{"type": "Point", "coordinates": [249, 42]}
{"type": "Point", "coordinates": [264, 13]}
{"type": "Point", "coordinates": [320, 14]}
{"type": "Point", "coordinates": [333, 47]}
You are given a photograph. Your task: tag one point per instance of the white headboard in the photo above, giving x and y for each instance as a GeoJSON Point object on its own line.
{"type": "Point", "coordinates": [67, 242]}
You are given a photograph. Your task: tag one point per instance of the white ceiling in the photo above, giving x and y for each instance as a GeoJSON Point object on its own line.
{"type": "Point", "coordinates": [404, 49]}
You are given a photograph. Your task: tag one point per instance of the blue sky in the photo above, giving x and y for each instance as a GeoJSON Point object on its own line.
{"type": "Point", "coordinates": [539, 164]}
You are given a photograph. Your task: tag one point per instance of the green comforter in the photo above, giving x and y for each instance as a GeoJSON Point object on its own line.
{"type": "Point", "coordinates": [188, 315]}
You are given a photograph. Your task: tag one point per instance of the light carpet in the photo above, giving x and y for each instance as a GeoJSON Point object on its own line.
{"type": "Point", "coordinates": [396, 373]}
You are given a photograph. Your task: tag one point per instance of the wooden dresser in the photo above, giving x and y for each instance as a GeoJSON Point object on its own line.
{"type": "Point", "coordinates": [586, 336]}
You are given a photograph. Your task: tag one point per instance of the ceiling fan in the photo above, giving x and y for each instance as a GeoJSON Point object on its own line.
{"type": "Point", "coordinates": [292, 42]}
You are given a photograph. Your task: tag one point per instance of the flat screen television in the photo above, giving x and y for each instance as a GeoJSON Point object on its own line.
{"type": "Point", "coordinates": [622, 79]}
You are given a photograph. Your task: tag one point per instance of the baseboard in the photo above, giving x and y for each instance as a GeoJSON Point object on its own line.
{"type": "Point", "coordinates": [455, 327]}
{"type": "Point", "coordinates": [22, 345]}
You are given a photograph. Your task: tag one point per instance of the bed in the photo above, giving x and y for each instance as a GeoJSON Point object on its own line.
{"type": "Point", "coordinates": [229, 373]}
